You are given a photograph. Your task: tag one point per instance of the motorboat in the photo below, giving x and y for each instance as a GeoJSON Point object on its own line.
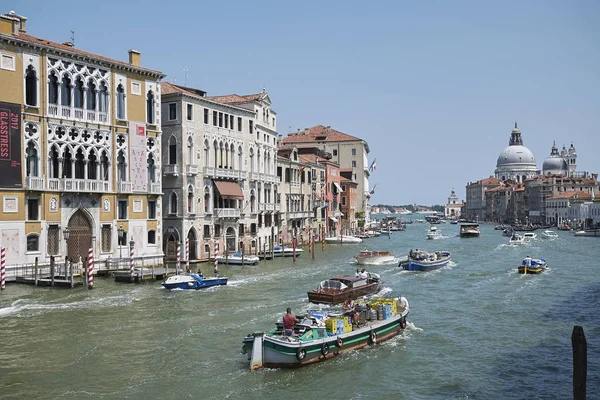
{"type": "Point", "coordinates": [422, 260]}
{"type": "Point", "coordinates": [374, 257]}
{"type": "Point", "coordinates": [434, 233]}
{"type": "Point", "coordinates": [236, 258]}
{"type": "Point", "coordinates": [469, 229]}
{"type": "Point", "coordinates": [588, 232]}
{"type": "Point", "coordinates": [193, 281]}
{"type": "Point", "coordinates": [529, 236]}
{"type": "Point", "coordinates": [343, 239]}
{"type": "Point", "coordinates": [340, 288]}
{"type": "Point", "coordinates": [285, 251]}
{"type": "Point", "coordinates": [321, 335]}
{"type": "Point", "coordinates": [548, 234]}
{"type": "Point", "coordinates": [516, 240]}
{"type": "Point", "coordinates": [535, 266]}
{"type": "Point", "coordinates": [508, 231]}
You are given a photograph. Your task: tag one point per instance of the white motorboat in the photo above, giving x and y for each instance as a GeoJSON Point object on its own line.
{"type": "Point", "coordinates": [237, 259]}
{"type": "Point", "coordinates": [374, 257]}
{"type": "Point", "coordinates": [547, 234]}
{"type": "Point", "coordinates": [434, 233]}
{"type": "Point", "coordinates": [343, 239]}
{"type": "Point", "coordinates": [516, 240]}
{"type": "Point", "coordinates": [529, 236]}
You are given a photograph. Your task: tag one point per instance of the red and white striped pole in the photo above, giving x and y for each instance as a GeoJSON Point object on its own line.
{"type": "Point", "coordinates": [216, 259]}
{"type": "Point", "coordinates": [3, 270]}
{"type": "Point", "coordinates": [131, 255]}
{"type": "Point", "coordinates": [90, 268]}
{"type": "Point", "coordinates": [187, 255]}
{"type": "Point", "coordinates": [178, 258]}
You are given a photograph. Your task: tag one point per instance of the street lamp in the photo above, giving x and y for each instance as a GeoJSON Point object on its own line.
{"type": "Point", "coordinates": [66, 236]}
{"type": "Point", "coordinates": [121, 231]}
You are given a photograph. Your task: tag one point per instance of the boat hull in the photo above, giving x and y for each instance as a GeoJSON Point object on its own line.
{"type": "Point", "coordinates": [414, 265]}
{"type": "Point", "coordinates": [531, 270]}
{"type": "Point", "coordinates": [336, 297]}
{"type": "Point", "coordinates": [343, 240]}
{"type": "Point", "coordinates": [179, 282]}
{"type": "Point", "coordinates": [234, 260]}
{"type": "Point", "coordinates": [374, 260]}
{"type": "Point", "coordinates": [279, 353]}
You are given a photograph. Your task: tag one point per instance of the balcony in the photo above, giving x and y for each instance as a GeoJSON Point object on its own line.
{"type": "Point", "coordinates": [191, 169]}
{"type": "Point", "coordinates": [155, 188]}
{"type": "Point", "coordinates": [277, 207]}
{"type": "Point", "coordinates": [171, 169]}
{"type": "Point", "coordinates": [227, 212]}
{"type": "Point", "coordinates": [269, 178]}
{"type": "Point", "coordinates": [299, 214]}
{"type": "Point", "coordinates": [320, 203]}
{"type": "Point", "coordinates": [85, 185]}
{"type": "Point", "coordinates": [254, 176]}
{"type": "Point", "coordinates": [80, 114]}
{"type": "Point", "coordinates": [212, 172]}
{"type": "Point", "coordinates": [34, 183]}
{"type": "Point", "coordinates": [269, 207]}
{"type": "Point", "coordinates": [124, 187]}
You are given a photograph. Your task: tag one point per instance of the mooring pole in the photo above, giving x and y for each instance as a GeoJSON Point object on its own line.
{"type": "Point", "coordinates": [70, 264]}
{"type": "Point", "coordinates": [52, 271]}
{"type": "Point", "coordinates": [90, 268]}
{"type": "Point", "coordinates": [579, 345]}
{"type": "Point", "coordinates": [3, 268]}
{"type": "Point", "coordinates": [35, 278]}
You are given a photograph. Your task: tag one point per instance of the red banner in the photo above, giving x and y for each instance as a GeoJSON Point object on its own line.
{"type": "Point", "coordinates": [10, 146]}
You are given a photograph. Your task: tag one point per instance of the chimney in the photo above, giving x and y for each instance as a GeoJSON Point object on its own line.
{"type": "Point", "coordinates": [70, 44]}
{"type": "Point", "coordinates": [11, 23]}
{"type": "Point", "coordinates": [134, 57]}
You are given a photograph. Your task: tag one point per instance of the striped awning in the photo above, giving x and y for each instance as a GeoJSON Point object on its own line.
{"type": "Point", "coordinates": [229, 190]}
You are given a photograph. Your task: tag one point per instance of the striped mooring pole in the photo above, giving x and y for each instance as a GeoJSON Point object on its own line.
{"type": "Point", "coordinates": [187, 255]}
{"type": "Point", "coordinates": [3, 269]}
{"type": "Point", "coordinates": [216, 259]}
{"type": "Point", "coordinates": [131, 255]}
{"type": "Point", "coordinates": [90, 268]}
{"type": "Point", "coordinates": [178, 262]}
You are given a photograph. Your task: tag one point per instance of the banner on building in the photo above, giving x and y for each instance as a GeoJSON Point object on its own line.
{"type": "Point", "coordinates": [10, 146]}
{"type": "Point", "coordinates": [138, 163]}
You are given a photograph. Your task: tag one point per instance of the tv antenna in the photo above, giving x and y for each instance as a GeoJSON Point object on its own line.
{"type": "Point", "coordinates": [73, 38]}
{"type": "Point", "coordinates": [185, 70]}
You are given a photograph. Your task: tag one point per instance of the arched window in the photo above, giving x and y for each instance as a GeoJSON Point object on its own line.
{"type": "Point", "coordinates": [121, 167]}
{"type": "Point", "coordinates": [32, 160]}
{"type": "Point", "coordinates": [190, 145]}
{"type": "Point", "coordinates": [251, 160]}
{"type": "Point", "coordinates": [53, 163]}
{"type": "Point", "coordinates": [79, 164]}
{"type": "Point", "coordinates": [173, 203]}
{"type": "Point", "coordinates": [78, 92]}
{"type": "Point", "coordinates": [103, 98]}
{"type": "Point", "coordinates": [53, 88]}
{"type": "Point", "coordinates": [150, 107]}
{"type": "Point", "coordinates": [65, 91]}
{"type": "Point", "coordinates": [30, 87]}
{"type": "Point", "coordinates": [67, 164]}
{"type": "Point", "coordinates": [206, 200]}
{"type": "Point", "coordinates": [240, 165]}
{"type": "Point", "coordinates": [120, 102]}
{"type": "Point", "coordinates": [151, 169]}
{"type": "Point", "coordinates": [216, 147]}
{"type": "Point", "coordinates": [104, 165]}
{"type": "Point", "coordinates": [92, 165]}
{"type": "Point", "coordinates": [231, 156]}
{"type": "Point", "coordinates": [33, 242]}
{"type": "Point", "coordinates": [206, 153]}
{"type": "Point", "coordinates": [91, 96]}
{"type": "Point", "coordinates": [190, 200]}
{"type": "Point", "coordinates": [252, 202]}
{"type": "Point", "coordinates": [172, 150]}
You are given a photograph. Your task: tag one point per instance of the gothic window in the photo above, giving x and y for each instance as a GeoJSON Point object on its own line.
{"type": "Point", "coordinates": [92, 166]}
{"type": "Point", "coordinates": [53, 89]}
{"type": "Point", "coordinates": [79, 164]}
{"type": "Point", "coordinates": [53, 167]}
{"type": "Point", "coordinates": [251, 160]}
{"type": "Point", "coordinates": [32, 160]}
{"type": "Point", "coordinates": [53, 239]}
{"type": "Point", "coordinates": [78, 93]}
{"type": "Point", "coordinates": [33, 242]}
{"type": "Point", "coordinates": [240, 158]}
{"type": "Point", "coordinates": [103, 98]}
{"type": "Point", "coordinates": [206, 200]}
{"type": "Point", "coordinates": [173, 203]}
{"type": "Point", "coordinates": [190, 200]}
{"type": "Point", "coordinates": [151, 169]}
{"type": "Point", "coordinates": [67, 164]}
{"type": "Point", "coordinates": [150, 107]}
{"type": "Point", "coordinates": [65, 91]}
{"type": "Point", "coordinates": [30, 87]}
{"type": "Point", "coordinates": [190, 146]}
{"type": "Point", "coordinates": [106, 238]}
{"type": "Point", "coordinates": [172, 150]}
{"type": "Point", "coordinates": [91, 96]}
{"type": "Point", "coordinates": [120, 102]}
{"type": "Point", "coordinates": [121, 167]}
{"type": "Point", "coordinates": [104, 166]}
{"type": "Point", "coordinates": [231, 156]}
{"type": "Point", "coordinates": [206, 153]}
{"type": "Point", "coordinates": [216, 147]}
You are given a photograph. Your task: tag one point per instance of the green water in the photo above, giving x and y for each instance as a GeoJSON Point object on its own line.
{"type": "Point", "coordinates": [477, 329]}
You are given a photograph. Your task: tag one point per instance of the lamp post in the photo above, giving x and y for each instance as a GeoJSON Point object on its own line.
{"type": "Point", "coordinates": [121, 231]}
{"type": "Point", "coordinates": [66, 234]}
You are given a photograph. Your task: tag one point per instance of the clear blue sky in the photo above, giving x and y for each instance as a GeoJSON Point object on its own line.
{"type": "Point", "coordinates": [433, 86]}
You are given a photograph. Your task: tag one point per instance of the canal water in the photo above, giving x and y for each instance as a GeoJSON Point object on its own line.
{"type": "Point", "coordinates": [477, 329]}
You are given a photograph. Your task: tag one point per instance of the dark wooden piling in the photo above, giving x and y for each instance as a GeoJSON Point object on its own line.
{"type": "Point", "coordinates": [51, 270]}
{"type": "Point", "coordinates": [579, 345]}
{"type": "Point", "coordinates": [72, 275]}
{"type": "Point", "coordinates": [243, 254]}
{"type": "Point", "coordinates": [36, 272]}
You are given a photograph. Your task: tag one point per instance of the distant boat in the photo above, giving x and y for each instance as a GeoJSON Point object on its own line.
{"type": "Point", "coordinates": [424, 261]}
{"type": "Point", "coordinates": [434, 233]}
{"type": "Point", "coordinates": [374, 257]}
{"type": "Point", "coordinates": [237, 259]}
{"type": "Point", "coordinates": [529, 236]}
{"type": "Point", "coordinates": [548, 234]}
{"type": "Point", "coordinates": [193, 281]}
{"type": "Point", "coordinates": [516, 240]}
{"type": "Point", "coordinates": [343, 239]}
{"type": "Point", "coordinates": [469, 229]}
{"type": "Point", "coordinates": [588, 232]}
{"type": "Point", "coordinates": [538, 265]}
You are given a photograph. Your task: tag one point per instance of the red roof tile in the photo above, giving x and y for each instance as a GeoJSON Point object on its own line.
{"type": "Point", "coordinates": [169, 88]}
{"type": "Point", "coordinates": [75, 51]}
{"type": "Point", "coordinates": [237, 99]}
{"type": "Point", "coordinates": [319, 133]}
{"type": "Point", "coordinates": [573, 194]}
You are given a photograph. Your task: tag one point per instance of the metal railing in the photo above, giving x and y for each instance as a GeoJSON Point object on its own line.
{"type": "Point", "coordinates": [60, 111]}
{"type": "Point", "coordinates": [34, 183]}
{"type": "Point", "coordinates": [170, 169]}
{"type": "Point", "coordinates": [227, 212]}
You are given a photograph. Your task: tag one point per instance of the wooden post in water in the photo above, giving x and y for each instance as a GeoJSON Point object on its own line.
{"type": "Point", "coordinates": [243, 254]}
{"type": "Point", "coordinates": [265, 250]}
{"type": "Point", "coordinates": [323, 238]}
{"type": "Point", "coordinates": [226, 254]}
{"type": "Point", "coordinates": [294, 240]}
{"type": "Point", "coordinates": [70, 264]}
{"type": "Point", "coordinates": [312, 244]}
{"type": "Point", "coordinates": [51, 271]}
{"type": "Point", "coordinates": [272, 248]}
{"type": "Point", "coordinates": [579, 345]}
{"type": "Point", "coordinates": [35, 272]}
{"type": "Point", "coordinates": [85, 272]}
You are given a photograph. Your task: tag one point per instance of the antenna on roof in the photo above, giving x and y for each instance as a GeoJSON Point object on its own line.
{"type": "Point", "coordinates": [185, 70]}
{"type": "Point", "coordinates": [73, 38]}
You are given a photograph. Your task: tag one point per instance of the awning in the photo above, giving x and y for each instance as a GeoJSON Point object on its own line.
{"type": "Point", "coordinates": [339, 188]}
{"type": "Point", "coordinates": [229, 190]}
{"type": "Point", "coordinates": [333, 219]}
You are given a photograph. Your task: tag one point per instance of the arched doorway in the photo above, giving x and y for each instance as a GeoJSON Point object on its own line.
{"type": "Point", "coordinates": [171, 244]}
{"type": "Point", "coordinates": [80, 236]}
{"type": "Point", "coordinates": [193, 244]}
{"type": "Point", "coordinates": [230, 239]}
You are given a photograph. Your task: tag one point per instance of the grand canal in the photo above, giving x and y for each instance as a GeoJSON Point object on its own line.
{"type": "Point", "coordinates": [477, 329]}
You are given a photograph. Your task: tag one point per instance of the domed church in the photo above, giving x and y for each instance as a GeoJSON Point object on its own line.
{"type": "Point", "coordinates": [516, 162]}
{"type": "Point", "coordinates": [557, 164]}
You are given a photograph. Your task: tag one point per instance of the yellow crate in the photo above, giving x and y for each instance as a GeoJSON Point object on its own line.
{"type": "Point", "coordinates": [347, 328]}
{"type": "Point", "coordinates": [331, 325]}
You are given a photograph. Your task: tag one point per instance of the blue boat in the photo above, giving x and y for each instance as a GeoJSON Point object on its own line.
{"type": "Point", "coordinates": [193, 281]}
{"type": "Point", "coordinates": [424, 261]}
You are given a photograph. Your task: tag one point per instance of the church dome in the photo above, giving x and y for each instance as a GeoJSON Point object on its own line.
{"type": "Point", "coordinates": [516, 162]}
{"type": "Point", "coordinates": [515, 154]}
{"type": "Point", "coordinates": [554, 163]}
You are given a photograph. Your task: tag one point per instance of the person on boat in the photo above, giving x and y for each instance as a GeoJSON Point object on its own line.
{"type": "Point", "coordinates": [527, 261]}
{"type": "Point", "coordinates": [411, 254]}
{"type": "Point", "coordinates": [200, 273]}
{"type": "Point", "coordinates": [349, 308]}
{"type": "Point", "coordinates": [357, 273]}
{"type": "Point", "coordinates": [288, 323]}
{"type": "Point", "coordinates": [363, 274]}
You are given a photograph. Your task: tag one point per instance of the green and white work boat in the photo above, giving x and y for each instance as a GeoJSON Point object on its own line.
{"type": "Point", "coordinates": [322, 335]}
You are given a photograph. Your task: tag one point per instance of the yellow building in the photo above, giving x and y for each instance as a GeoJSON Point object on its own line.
{"type": "Point", "coordinates": [79, 151]}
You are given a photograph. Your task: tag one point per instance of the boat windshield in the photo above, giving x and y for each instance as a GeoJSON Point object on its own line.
{"type": "Point", "coordinates": [331, 284]}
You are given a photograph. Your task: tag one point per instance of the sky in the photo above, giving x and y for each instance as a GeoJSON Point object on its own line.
{"type": "Point", "coordinates": [434, 87]}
